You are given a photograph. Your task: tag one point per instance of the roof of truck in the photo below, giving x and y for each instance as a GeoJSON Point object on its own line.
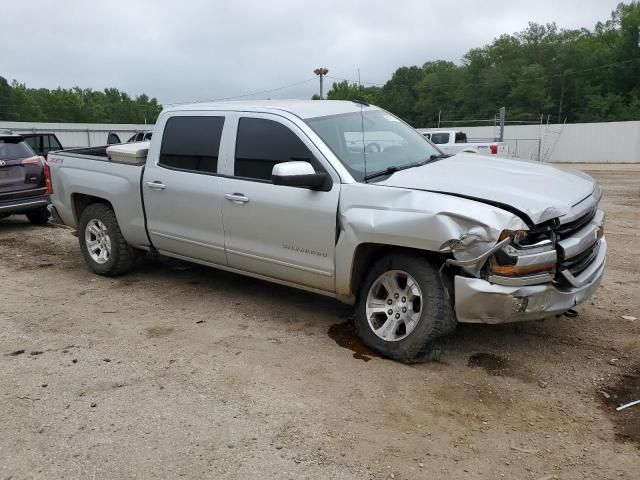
{"type": "Point", "coordinates": [300, 108]}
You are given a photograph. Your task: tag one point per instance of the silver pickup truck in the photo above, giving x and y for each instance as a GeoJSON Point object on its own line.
{"type": "Point", "coordinates": [284, 191]}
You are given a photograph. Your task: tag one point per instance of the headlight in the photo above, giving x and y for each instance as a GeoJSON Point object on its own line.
{"type": "Point", "coordinates": [521, 258]}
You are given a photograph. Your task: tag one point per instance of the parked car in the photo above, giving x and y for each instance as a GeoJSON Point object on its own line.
{"type": "Point", "coordinates": [25, 182]}
{"type": "Point", "coordinates": [113, 138]}
{"type": "Point", "coordinates": [42, 143]}
{"type": "Point", "coordinates": [452, 142]}
{"type": "Point", "coordinates": [140, 137]}
{"type": "Point", "coordinates": [276, 190]}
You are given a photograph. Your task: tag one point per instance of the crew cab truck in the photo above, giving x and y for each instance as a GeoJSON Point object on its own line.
{"type": "Point", "coordinates": [452, 142]}
{"type": "Point", "coordinates": [277, 190]}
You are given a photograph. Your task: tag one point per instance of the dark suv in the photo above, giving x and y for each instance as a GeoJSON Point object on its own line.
{"type": "Point", "coordinates": [42, 143]}
{"type": "Point", "coordinates": [25, 181]}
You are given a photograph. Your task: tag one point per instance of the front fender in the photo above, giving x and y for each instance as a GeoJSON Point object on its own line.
{"type": "Point", "coordinates": [370, 213]}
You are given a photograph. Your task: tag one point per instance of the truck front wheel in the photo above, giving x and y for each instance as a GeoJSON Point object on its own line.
{"type": "Point", "coordinates": [403, 308]}
{"type": "Point", "coordinates": [103, 247]}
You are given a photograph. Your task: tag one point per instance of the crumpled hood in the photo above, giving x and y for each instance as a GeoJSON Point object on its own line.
{"type": "Point", "coordinates": [538, 190]}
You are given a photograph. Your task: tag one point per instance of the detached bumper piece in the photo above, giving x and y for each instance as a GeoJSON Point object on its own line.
{"type": "Point", "coordinates": [55, 216]}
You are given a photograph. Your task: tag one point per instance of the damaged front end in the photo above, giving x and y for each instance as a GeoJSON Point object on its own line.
{"type": "Point", "coordinates": [530, 274]}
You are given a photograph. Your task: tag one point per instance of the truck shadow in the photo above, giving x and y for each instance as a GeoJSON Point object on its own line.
{"type": "Point", "coordinates": [505, 345]}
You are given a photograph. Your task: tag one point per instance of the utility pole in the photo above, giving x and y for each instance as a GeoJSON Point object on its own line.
{"type": "Point", "coordinates": [321, 72]}
{"type": "Point", "coordinates": [503, 114]}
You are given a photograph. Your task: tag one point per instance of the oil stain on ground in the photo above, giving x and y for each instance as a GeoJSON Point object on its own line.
{"type": "Point", "coordinates": [492, 364]}
{"type": "Point", "coordinates": [626, 422]}
{"type": "Point", "coordinates": [344, 335]}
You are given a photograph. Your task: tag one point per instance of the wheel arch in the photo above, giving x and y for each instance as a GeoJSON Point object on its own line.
{"type": "Point", "coordinates": [367, 253]}
{"type": "Point", "coordinates": [80, 201]}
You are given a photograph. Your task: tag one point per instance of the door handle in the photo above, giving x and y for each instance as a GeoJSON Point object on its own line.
{"type": "Point", "coordinates": [156, 185]}
{"type": "Point", "coordinates": [236, 197]}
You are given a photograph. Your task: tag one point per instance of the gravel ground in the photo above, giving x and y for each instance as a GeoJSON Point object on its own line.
{"type": "Point", "coordinates": [176, 370]}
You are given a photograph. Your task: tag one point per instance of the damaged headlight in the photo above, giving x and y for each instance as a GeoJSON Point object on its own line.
{"type": "Point", "coordinates": [524, 255]}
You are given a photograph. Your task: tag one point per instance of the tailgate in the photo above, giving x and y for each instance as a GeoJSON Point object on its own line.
{"type": "Point", "coordinates": [21, 178]}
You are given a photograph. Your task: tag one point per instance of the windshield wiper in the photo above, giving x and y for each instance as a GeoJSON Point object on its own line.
{"type": "Point", "coordinates": [394, 168]}
{"type": "Point", "coordinates": [437, 157]}
{"type": "Point", "coordinates": [381, 173]}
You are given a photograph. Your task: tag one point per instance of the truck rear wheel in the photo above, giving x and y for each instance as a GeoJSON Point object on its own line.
{"type": "Point", "coordinates": [103, 247]}
{"type": "Point", "coordinates": [403, 308]}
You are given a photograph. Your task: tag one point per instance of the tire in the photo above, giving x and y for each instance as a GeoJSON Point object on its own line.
{"type": "Point", "coordinates": [39, 216]}
{"type": "Point", "coordinates": [112, 255]}
{"type": "Point", "coordinates": [409, 338]}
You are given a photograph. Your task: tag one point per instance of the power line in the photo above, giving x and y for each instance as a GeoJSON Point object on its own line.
{"type": "Point", "coordinates": [250, 94]}
{"type": "Point", "coordinates": [357, 82]}
{"type": "Point", "coordinates": [488, 81]}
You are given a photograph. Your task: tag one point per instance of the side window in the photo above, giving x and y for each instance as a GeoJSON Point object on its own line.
{"type": "Point", "coordinates": [33, 143]}
{"type": "Point", "coordinates": [192, 143]}
{"type": "Point", "coordinates": [55, 144]}
{"type": "Point", "coordinates": [262, 143]}
{"type": "Point", "coordinates": [440, 138]}
{"type": "Point", "coordinates": [45, 144]}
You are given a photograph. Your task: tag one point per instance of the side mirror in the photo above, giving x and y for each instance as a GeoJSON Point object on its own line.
{"type": "Point", "coordinates": [298, 174]}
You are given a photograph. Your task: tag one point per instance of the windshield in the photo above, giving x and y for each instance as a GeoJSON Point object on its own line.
{"type": "Point", "coordinates": [373, 142]}
{"type": "Point", "coordinates": [14, 148]}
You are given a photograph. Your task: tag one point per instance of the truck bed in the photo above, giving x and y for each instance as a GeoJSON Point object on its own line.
{"type": "Point", "coordinates": [88, 172]}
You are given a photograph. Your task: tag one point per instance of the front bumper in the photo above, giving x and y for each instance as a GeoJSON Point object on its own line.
{"type": "Point", "coordinates": [23, 205]}
{"type": "Point", "coordinates": [478, 301]}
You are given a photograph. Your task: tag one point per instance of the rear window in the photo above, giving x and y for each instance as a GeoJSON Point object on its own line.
{"type": "Point", "coordinates": [14, 149]}
{"type": "Point", "coordinates": [192, 143]}
{"type": "Point", "coordinates": [461, 137]}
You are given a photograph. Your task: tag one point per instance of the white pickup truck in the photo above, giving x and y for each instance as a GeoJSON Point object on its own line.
{"type": "Point", "coordinates": [284, 191]}
{"type": "Point", "coordinates": [452, 142]}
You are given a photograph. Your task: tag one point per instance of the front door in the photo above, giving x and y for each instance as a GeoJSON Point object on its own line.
{"type": "Point", "coordinates": [181, 190]}
{"type": "Point", "coordinates": [282, 232]}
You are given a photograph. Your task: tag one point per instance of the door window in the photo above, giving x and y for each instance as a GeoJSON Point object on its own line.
{"type": "Point", "coordinates": [33, 143]}
{"type": "Point", "coordinates": [191, 143]}
{"type": "Point", "coordinates": [262, 143]}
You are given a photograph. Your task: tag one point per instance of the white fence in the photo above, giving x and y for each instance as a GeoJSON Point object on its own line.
{"type": "Point", "coordinates": [612, 142]}
{"type": "Point", "coordinates": [78, 134]}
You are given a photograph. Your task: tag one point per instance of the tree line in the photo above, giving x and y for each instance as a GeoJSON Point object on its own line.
{"type": "Point", "coordinates": [22, 104]}
{"type": "Point", "coordinates": [568, 75]}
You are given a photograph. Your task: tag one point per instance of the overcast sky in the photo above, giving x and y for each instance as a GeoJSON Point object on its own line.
{"type": "Point", "coordinates": [183, 50]}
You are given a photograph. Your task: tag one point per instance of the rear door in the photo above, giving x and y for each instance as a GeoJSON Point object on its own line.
{"type": "Point", "coordinates": [287, 233]}
{"type": "Point", "coordinates": [181, 188]}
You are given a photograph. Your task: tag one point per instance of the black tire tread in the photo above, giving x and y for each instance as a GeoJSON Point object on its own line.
{"type": "Point", "coordinates": [39, 216]}
{"type": "Point", "coordinates": [441, 315]}
{"type": "Point", "coordinates": [123, 254]}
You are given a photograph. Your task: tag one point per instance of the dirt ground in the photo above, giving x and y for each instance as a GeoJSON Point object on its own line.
{"type": "Point", "coordinates": [177, 371]}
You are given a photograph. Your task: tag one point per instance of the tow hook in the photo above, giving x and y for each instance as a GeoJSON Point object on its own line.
{"type": "Point", "coordinates": [571, 313]}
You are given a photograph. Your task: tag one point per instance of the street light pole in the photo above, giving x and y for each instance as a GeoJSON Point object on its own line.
{"type": "Point", "coordinates": [321, 72]}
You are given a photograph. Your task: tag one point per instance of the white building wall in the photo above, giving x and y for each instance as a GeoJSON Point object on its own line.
{"type": "Point", "coordinates": [73, 135]}
{"type": "Point", "coordinates": [611, 142]}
